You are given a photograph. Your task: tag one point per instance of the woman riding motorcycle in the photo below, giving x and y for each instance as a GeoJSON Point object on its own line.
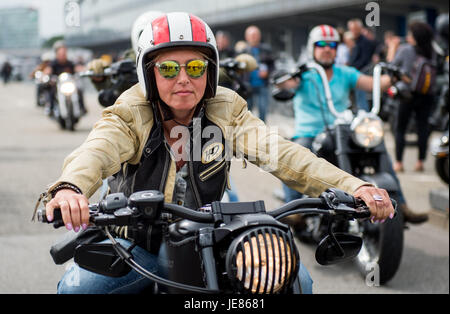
{"type": "Point", "coordinates": [169, 133]}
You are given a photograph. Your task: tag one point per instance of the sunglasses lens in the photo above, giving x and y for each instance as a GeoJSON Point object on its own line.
{"type": "Point", "coordinates": [196, 68]}
{"type": "Point", "coordinates": [332, 44]}
{"type": "Point", "coordinates": [321, 43]}
{"type": "Point", "coordinates": [169, 69]}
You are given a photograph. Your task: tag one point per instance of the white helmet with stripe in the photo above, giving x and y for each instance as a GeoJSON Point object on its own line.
{"type": "Point", "coordinates": [174, 30]}
{"type": "Point", "coordinates": [319, 33]}
{"type": "Point", "coordinates": [138, 26]}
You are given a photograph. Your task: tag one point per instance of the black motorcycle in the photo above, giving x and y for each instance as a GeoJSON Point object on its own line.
{"type": "Point", "coordinates": [355, 144]}
{"type": "Point", "coordinates": [221, 248]}
{"type": "Point", "coordinates": [231, 76]}
{"type": "Point", "coordinates": [439, 147]}
{"type": "Point", "coordinates": [120, 76]}
{"type": "Point", "coordinates": [43, 89]}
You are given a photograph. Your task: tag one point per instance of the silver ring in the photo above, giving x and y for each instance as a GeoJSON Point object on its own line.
{"type": "Point", "coordinates": [377, 197]}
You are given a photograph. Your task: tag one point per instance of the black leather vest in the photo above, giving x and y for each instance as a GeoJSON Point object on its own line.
{"type": "Point", "coordinates": [208, 167]}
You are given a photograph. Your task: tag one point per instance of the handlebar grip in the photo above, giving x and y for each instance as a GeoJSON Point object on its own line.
{"type": "Point", "coordinates": [57, 218]}
{"type": "Point", "coordinates": [364, 211]}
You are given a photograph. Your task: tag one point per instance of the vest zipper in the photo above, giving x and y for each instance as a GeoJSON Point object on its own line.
{"type": "Point", "coordinates": [162, 186]}
{"type": "Point", "coordinates": [194, 186]}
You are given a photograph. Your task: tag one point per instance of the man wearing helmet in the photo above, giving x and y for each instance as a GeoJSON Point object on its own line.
{"type": "Point", "coordinates": [57, 66]}
{"type": "Point", "coordinates": [308, 108]}
{"type": "Point", "coordinates": [163, 131]}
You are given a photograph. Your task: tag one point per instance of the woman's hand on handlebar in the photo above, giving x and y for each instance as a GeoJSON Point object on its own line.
{"type": "Point", "coordinates": [377, 200]}
{"type": "Point", "coordinates": [74, 209]}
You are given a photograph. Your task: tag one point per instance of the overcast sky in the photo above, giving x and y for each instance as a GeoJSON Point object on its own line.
{"type": "Point", "coordinates": [51, 14]}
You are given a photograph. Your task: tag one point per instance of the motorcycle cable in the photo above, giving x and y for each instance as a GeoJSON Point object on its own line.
{"type": "Point", "coordinates": [127, 257]}
{"type": "Point", "coordinates": [303, 211]}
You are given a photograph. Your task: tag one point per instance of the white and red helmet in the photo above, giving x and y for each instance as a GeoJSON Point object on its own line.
{"type": "Point", "coordinates": [318, 33]}
{"type": "Point", "coordinates": [175, 30]}
{"type": "Point", "coordinates": [139, 24]}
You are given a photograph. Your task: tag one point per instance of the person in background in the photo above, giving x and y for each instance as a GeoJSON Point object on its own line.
{"type": "Point", "coordinates": [381, 51]}
{"type": "Point", "coordinates": [6, 71]}
{"type": "Point", "coordinates": [259, 78]}
{"type": "Point", "coordinates": [418, 42]}
{"type": "Point", "coordinates": [344, 48]}
{"type": "Point", "coordinates": [360, 57]}
{"type": "Point", "coordinates": [223, 40]}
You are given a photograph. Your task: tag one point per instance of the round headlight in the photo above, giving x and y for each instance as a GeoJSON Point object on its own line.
{"type": "Point", "coordinates": [262, 260]}
{"type": "Point", "coordinates": [63, 77]}
{"type": "Point", "coordinates": [367, 130]}
{"type": "Point", "coordinates": [38, 75]}
{"type": "Point", "coordinates": [67, 88]}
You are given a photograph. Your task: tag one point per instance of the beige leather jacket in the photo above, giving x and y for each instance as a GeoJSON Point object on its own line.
{"type": "Point", "coordinates": [120, 135]}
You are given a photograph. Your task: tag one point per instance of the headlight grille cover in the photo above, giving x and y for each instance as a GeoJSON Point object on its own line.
{"type": "Point", "coordinates": [262, 260]}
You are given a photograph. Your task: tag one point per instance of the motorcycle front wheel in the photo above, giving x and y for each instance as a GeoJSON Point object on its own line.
{"type": "Point", "coordinates": [381, 252]}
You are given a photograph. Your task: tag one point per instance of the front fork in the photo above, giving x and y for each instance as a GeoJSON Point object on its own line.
{"type": "Point", "coordinates": [206, 243]}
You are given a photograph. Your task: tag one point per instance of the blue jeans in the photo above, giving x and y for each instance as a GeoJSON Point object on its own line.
{"type": "Point", "coordinates": [77, 280]}
{"type": "Point", "coordinates": [260, 98]}
{"type": "Point", "coordinates": [361, 100]}
{"type": "Point", "coordinates": [290, 194]}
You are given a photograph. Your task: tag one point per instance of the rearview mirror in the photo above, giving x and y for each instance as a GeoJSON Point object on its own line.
{"type": "Point", "coordinates": [338, 247]}
{"type": "Point", "coordinates": [101, 258]}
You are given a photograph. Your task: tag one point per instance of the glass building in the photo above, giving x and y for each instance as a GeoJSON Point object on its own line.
{"type": "Point", "coordinates": [19, 28]}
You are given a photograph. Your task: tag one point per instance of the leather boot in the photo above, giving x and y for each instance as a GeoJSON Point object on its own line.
{"type": "Point", "coordinates": [412, 217]}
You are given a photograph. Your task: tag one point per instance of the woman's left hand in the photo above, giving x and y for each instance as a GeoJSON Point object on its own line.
{"type": "Point", "coordinates": [377, 200]}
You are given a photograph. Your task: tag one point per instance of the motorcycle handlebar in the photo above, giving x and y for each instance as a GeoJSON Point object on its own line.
{"type": "Point", "coordinates": [327, 204]}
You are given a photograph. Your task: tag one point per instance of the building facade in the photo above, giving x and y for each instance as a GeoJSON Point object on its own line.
{"type": "Point", "coordinates": [19, 28]}
{"type": "Point", "coordinates": [106, 25]}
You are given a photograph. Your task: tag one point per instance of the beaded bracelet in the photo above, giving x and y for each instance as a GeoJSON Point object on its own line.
{"type": "Point", "coordinates": [65, 186]}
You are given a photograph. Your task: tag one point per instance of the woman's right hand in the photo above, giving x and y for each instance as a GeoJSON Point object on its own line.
{"type": "Point", "coordinates": [74, 209]}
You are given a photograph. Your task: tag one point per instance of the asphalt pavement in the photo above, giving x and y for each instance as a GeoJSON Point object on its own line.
{"type": "Point", "coordinates": [32, 150]}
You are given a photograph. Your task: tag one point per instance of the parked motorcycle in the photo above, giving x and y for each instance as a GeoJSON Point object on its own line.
{"type": "Point", "coordinates": [355, 144]}
{"type": "Point", "coordinates": [221, 248]}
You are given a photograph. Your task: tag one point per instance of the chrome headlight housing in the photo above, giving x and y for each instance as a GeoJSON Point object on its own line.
{"type": "Point", "coordinates": [262, 260]}
{"type": "Point", "coordinates": [367, 130]}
